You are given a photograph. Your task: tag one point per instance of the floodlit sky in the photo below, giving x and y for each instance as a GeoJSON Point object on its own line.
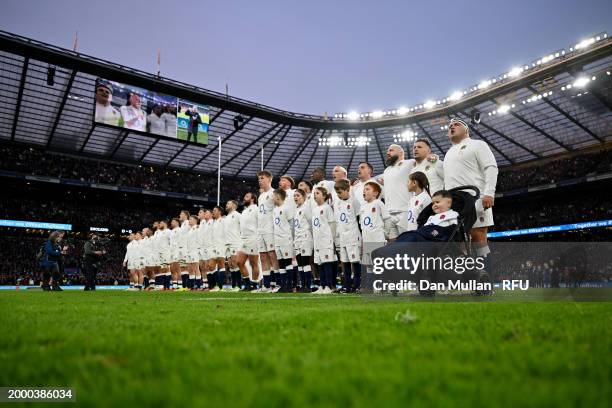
{"type": "Point", "coordinates": [316, 56]}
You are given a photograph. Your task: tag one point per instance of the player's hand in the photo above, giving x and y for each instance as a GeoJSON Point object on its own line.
{"type": "Point", "coordinates": [487, 202]}
{"type": "Point", "coordinates": [432, 158]}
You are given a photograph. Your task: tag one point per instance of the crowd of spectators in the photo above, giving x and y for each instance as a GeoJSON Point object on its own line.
{"type": "Point", "coordinates": [34, 161]}
{"type": "Point", "coordinates": [555, 170]}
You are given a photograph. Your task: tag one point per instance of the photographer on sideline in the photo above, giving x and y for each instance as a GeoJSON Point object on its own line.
{"type": "Point", "coordinates": [92, 255]}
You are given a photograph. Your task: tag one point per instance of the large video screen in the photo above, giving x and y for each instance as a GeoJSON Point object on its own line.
{"type": "Point", "coordinates": [134, 108]}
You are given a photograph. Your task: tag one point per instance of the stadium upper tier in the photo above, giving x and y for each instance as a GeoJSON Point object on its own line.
{"type": "Point", "coordinates": [559, 103]}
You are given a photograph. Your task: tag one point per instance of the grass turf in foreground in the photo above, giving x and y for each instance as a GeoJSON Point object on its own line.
{"type": "Point", "coordinates": [176, 349]}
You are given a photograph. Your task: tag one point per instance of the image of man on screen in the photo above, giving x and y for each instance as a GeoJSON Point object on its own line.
{"type": "Point", "coordinates": [194, 122]}
{"type": "Point", "coordinates": [169, 116]}
{"type": "Point", "coordinates": [105, 112]}
{"type": "Point", "coordinates": [155, 121]}
{"type": "Point", "coordinates": [133, 116]}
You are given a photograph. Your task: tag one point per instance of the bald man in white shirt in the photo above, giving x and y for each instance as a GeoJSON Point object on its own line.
{"type": "Point", "coordinates": [395, 182]}
{"type": "Point", "coordinates": [471, 162]}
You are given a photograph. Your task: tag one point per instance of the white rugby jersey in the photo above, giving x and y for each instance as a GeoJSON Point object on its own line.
{"type": "Point", "coordinates": [218, 232]}
{"type": "Point", "coordinates": [417, 203]}
{"type": "Point", "coordinates": [471, 162]}
{"type": "Point", "coordinates": [164, 240]}
{"type": "Point", "coordinates": [265, 219]}
{"type": "Point", "coordinates": [175, 238]}
{"type": "Point", "coordinates": [232, 228]}
{"type": "Point", "coordinates": [283, 222]}
{"type": "Point", "coordinates": [138, 249]}
{"type": "Point", "coordinates": [445, 219]}
{"type": "Point", "coordinates": [434, 172]}
{"type": "Point", "coordinates": [130, 251]}
{"type": "Point", "coordinates": [346, 213]}
{"type": "Point", "coordinates": [302, 222]}
{"type": "Point", "coordinates": [322, 221]}
{"type": "Point", "coordinates": [289, 201]}
{"type": "Point", "coordinates": [147, 247]}
{"type": "Point", "coordinates": [193, 239]}
{"type": "Point", "coordinates": [248, 222]}
{"type": "Point", "coordinates": [397, 196]}
{"type": "Point", "coordinates": [373, 216]}
{"type": "Point", "coordinates": [204, 232]}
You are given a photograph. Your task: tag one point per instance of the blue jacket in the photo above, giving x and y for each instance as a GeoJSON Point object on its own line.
{"type": "Point", "coordinates": [52, 255]}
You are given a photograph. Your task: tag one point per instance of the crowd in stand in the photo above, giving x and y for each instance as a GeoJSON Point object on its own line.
{"type": "Point", "coordinates": [32, 161]}
{"type": "Point", "coordinates": [35, 161]}
{"type": "Point", "coordinates": [556, 170]}
{"type": "Point", "coordinates": [22, 268]}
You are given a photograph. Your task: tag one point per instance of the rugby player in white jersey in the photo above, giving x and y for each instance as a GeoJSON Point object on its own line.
{"type": "Point", "coordinates": [287, 183]}
{"type": "Point", "coordinates": [249, 249]}
{"type": "Point", "coordinates": [346, 211]}
{"type": "Point", "coordinates": [318, 180]}
{"type": "Point", "coordinates": [428, 164]}
{"type": "Point", "coordinates": [365, 173]}
{"type": "Point", "coordinates": [164, 248]}
{"type": "Point", "coordinates": [175, 265]}
{"type": "Point", "coordinates": [156, 254]}
{"type": "Point", "coordinates": [139, 259]}
{"type": "Point", "coordinates": [471, 162]}
{"type": "Point", "coordinates": [265, 227]}
{"type": "Point", "coordinates": [205, 217]}
{"type": "Point", "coordinates": [129, 261]}
{"type": "Point", "coordinates": [147, 244]}
{"type": "Point", "coordinates": [323, 232]}
{"type": "Point", "coordinates": [395, 181]}
{"type": "Point", "coordinates": [303, 243]}
{"type": "Point", "coordinates": [283, 239]}
{"type": "Point", "coordinates": [218, 247]}
{"type": "Point", "coordinates": [233, 241]}
{"type": "Point", "coordinates": [192, 255]}
{"type": "Point", "coordinates": [182, 248]}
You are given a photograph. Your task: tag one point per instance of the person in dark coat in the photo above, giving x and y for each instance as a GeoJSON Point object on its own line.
{"type": "Point", "coordinates": [52, 257]}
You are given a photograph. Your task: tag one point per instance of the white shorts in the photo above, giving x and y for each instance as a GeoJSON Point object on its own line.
{"type": "Point", "coordinates": [266, 242]}
{"type": "Point", "coordinates": [131, 265]}
{"type": "Point", "coordinates": [218, 251]}
{"type": "Point", "coordinates": [350, 253]}
{"type": "Point", "coordinates": [165, 258]}
{"type": "Point", "coordinates": [284, 251]}
{"type": "Point", "coordinates": [324, 255]}
{"type": "Point", "coordinates": [192, 256]}
{"type": "Point", "coordinates": [484, 218]}
{"type": "Point", "coordinates": [402, 222]}
{"type": "Point", "coordinates": [179, 255]}
{"type": "Point", "coordinates": [250, 247]}
{"type": "Point", "coordinates": [204, 254]}
{"type": "Point", "coordinates": [232, 249]}
{"type": "Point", "coordinates": [139, 263]}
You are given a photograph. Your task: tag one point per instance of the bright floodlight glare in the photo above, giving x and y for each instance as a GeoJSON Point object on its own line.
{"type": "Point", "coordinates": [484, 84]}
{"type": "Point", "coordinates": [581, 82]}
{"type": "Point", "coordinates": [377, 114]}
{"type": "Point", "coordinates": [352, 115]}
{"type": "Point", "coordinates": [455, 96]}
{"type": "Point", "coordinates": [516, 71]}
{"type": "Point", "coordinates": [402, 110]}
{"type": "Point", "coordinates": [503, 109]}
{"type": "Point", "coordinates": [584, 43]}
{"type": "Point", "coordinates": [429, 104]}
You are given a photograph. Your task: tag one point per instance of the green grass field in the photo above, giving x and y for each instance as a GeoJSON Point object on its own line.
{"type": "Point", "coordinates": [182, 349]}
{"type": "Point", "coordinates": [202, 136]}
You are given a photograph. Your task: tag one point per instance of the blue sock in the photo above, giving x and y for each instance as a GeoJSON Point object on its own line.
{"type": "Point", "coordinates": [266, 281]}
{"type": "Point", "coordinates": [221, 278]}
{"type": "Point", "coordinates": [211, 279]}
{"type": "Point", "coordinates": [308, 280]}
{"type": "Point", "coordinates": [357, 277]}
{"type": "Point", "coordinates": [294, 277]}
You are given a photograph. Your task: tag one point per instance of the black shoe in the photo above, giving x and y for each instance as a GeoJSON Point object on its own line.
{"type": "Point", "coordinates": [305, 290]}
{"type": "Point", "coordinates": [46, 288]}
{"type": "Point", "coordinates": [87, 289]}
{"type": "Point", "coordinates": [56, 288]}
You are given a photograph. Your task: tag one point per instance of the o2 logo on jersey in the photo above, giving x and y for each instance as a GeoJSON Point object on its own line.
{"type": "Point", "coordinates": [277, 221]}
{"type": "Point", "coordinates": [367, 221]}
{"type": "Point", "coordinates": [316, 222]}
{"type": "Point", "coordinates": [410, 216]}
{"type": "Point", "coordinates": [296, 223]}
{"type": "Point", "coordinates": [262, 208]}
{"type": "Point", "coordinates": [343, 218]}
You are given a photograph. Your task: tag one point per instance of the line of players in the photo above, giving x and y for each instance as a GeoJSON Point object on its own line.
{"type": "Point", "coordinates": [301, 238]}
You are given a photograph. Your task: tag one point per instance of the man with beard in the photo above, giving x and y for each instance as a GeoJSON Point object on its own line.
{"type": "Point", "coordinates": [471, 162]}
{"type": "Point", "coordinates": [249, 249]}
{"type": "Point", "coordinates": [395, 181]}
{"type": "Point", "coordinates": [265, 228]}
{"type": "Point", "coordinates": [425, 162]}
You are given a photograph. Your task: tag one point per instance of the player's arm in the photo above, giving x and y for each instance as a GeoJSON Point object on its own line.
{"type": "Point", "coordinates": [488, 165]}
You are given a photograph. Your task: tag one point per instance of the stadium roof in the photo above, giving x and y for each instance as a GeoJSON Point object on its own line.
{"type": "Point", "coordinates": [557, 104]}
